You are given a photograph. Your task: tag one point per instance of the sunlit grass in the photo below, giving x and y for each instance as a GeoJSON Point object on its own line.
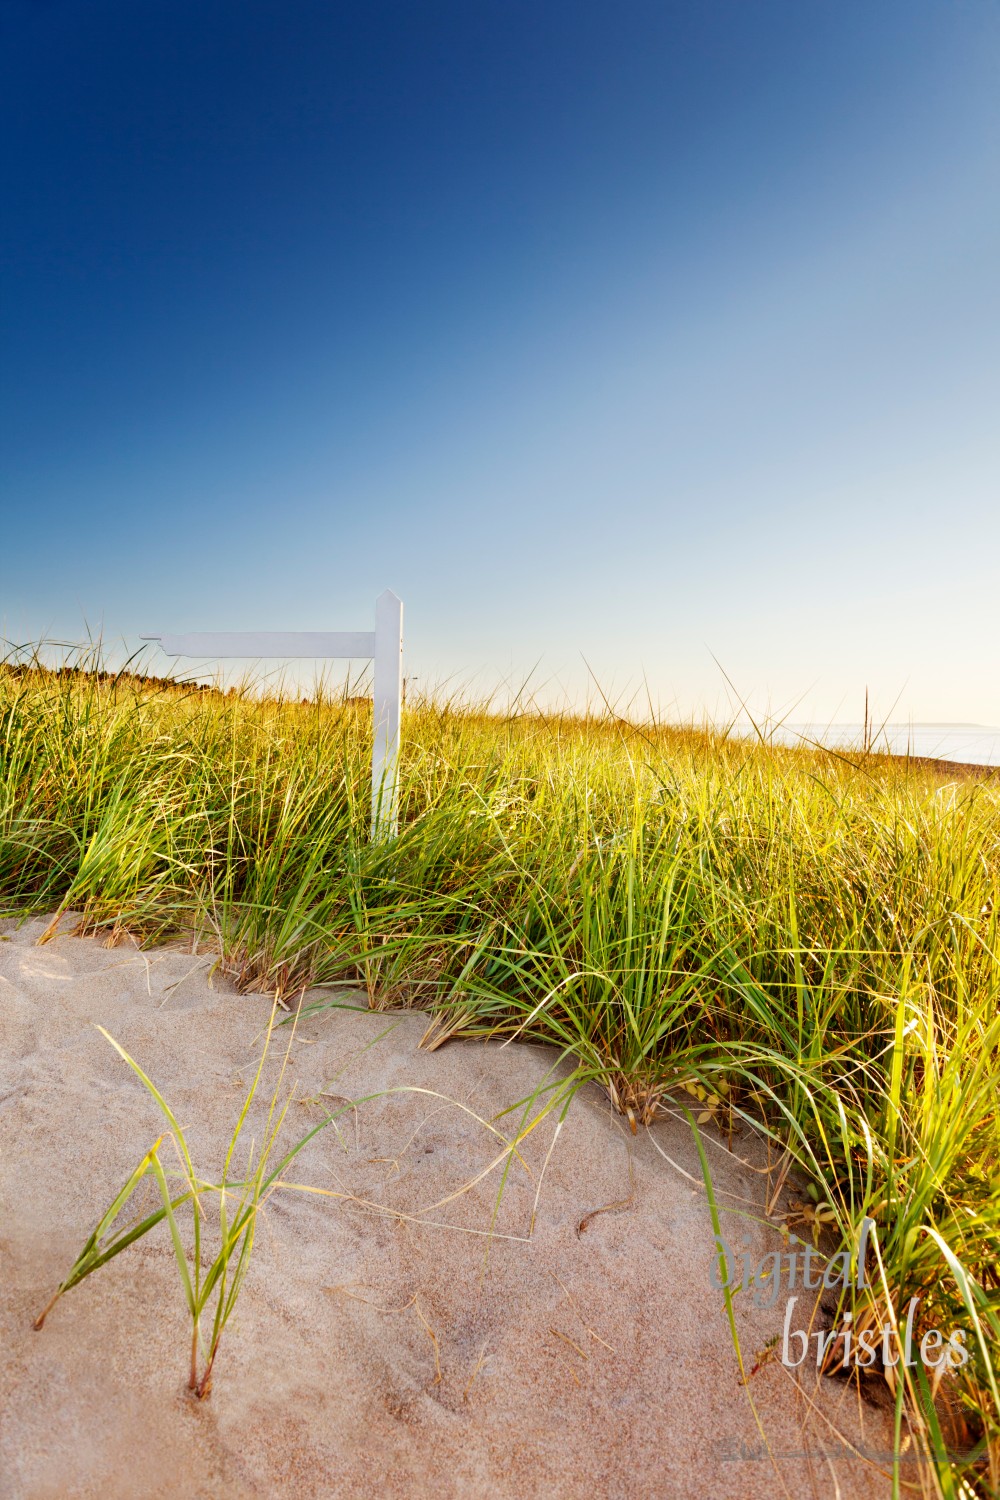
{"type": "Point", "coordinates": [810, 938]}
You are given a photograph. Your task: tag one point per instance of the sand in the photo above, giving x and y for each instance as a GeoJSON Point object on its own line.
{"type": "Point", "coordinates": [591, 1361]}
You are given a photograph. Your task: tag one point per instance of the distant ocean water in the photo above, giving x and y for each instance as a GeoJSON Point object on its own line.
{"type": "Point", "coordinates": [977, 744]}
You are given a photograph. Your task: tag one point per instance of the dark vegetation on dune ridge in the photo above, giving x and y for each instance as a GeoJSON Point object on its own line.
{"type": "Point", "coordinates": [804, 940]}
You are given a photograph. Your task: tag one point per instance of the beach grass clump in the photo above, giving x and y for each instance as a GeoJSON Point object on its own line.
{"type": "Point", "coordinates": [806, 939]}
{"type": "Point", "coordinates": [211, 1270]}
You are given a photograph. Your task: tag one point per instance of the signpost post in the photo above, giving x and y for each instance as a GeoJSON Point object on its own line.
{"type": "Point", "coordinates": [384, 645]}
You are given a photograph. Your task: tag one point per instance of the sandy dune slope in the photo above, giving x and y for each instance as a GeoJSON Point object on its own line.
{"type": "Point", "coordinates": [372, 1353]}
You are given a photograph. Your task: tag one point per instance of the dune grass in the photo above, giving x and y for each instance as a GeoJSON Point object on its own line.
{"type": "Point", "coordinates": [237, 1200]}
{"type": "Point", "coordinates": [805, 939]}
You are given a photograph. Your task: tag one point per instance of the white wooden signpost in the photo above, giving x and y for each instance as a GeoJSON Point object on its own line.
{"type": "Point", "coordinates": [384, 645]}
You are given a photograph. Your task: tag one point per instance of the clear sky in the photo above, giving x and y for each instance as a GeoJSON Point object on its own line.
{"type": "Point", "coordinates": [646, 335]}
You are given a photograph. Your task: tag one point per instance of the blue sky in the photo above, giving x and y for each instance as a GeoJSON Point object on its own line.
{"type": "Point", "coordinates": [659, 340]}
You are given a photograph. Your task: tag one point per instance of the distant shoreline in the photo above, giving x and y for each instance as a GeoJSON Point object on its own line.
{"type": "Point", "coordinates": [963, 768]}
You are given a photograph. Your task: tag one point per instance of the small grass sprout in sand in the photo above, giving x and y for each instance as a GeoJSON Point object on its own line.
{"type": "Point", "coordinates": [212, 1283]}
{"type": "Point", "coordinates": [238, 1201]}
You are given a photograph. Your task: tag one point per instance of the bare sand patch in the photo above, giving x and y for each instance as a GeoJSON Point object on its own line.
{"type": "Point", "coordinates": [579, 1362]}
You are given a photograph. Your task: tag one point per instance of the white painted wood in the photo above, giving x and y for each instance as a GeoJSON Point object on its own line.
{"type": "Point", "coordinates": [258, 644]}
{"type": "Point", "coordinates": [386, 713]}
{"type": "Point", "coordinates": [384, 644]}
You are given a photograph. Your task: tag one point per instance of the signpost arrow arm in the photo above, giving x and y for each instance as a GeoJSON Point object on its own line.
{"type": "Point", "coordinates": [259, 644]}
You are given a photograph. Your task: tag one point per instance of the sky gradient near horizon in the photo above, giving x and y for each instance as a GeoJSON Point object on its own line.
{"type": "Point", "coordinates": [658, 341]}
